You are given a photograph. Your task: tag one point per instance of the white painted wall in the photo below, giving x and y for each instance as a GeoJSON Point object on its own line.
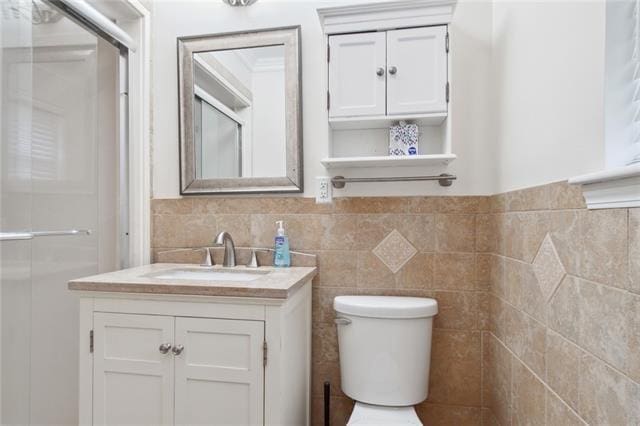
{"type": "Point", "coordinates": [549, 82]}
{"type": "Point", "coordinates": [470, 39]}
{"type": "Point", "coordinates": [527, 90]}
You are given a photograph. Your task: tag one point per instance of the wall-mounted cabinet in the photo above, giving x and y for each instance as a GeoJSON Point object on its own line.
{"type": "Point", "coordinates": [388, 73]}
{"type": "Point", "coordinates": [387, 63]}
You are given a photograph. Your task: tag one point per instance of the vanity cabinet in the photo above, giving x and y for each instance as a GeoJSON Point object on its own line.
{"type": "Point", "coordinates": [152, 369]}
{"type": "Point", "coordinates": [386, 73]}
{"type": "Point", "coordinates": [166, 357]}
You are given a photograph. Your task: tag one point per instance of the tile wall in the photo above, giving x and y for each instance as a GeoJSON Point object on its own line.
{"type": "Point", "coordinates": [539, 298]}
{"type": "Point", "coordinates": [563, 342]}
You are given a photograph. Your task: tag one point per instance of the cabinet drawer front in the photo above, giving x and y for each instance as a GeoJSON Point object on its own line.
{"type": "Point", "coordinates": [356, 86]}
{"type": "Point", "coordinates": [219, 375]}
{"type": "Point", "coordinates": [132, 379]}
{"type": "Point", "coordinates": [417, 76]}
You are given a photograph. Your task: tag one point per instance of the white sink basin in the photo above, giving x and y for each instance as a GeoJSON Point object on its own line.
{"type": "Point", "coordinates": [209, 275]}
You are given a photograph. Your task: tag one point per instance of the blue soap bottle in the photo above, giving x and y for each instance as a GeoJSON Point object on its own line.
{"type": "Point", "coordinates": [282, 256]}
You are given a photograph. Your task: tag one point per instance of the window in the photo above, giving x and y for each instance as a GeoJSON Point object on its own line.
{"type": "Point", "coordinates": [622, 83]}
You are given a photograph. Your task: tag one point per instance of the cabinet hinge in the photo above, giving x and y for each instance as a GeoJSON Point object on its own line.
{"type": "Point", "coordinates": [447, 92]}
{"type": "Point", "coordinates": [91, 341]}
{"type": "Point", "coordinates": [446, 42]}
{"type": "Point", "coordinates": [264, 353]}
{"type": "Point", "coordinates": [328, 101]}
{"type": "Point", "coordinates": [328, 53]}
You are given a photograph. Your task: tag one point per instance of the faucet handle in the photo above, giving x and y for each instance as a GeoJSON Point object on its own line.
{"type": "Point", "coordinates": [207, 260]}
{"type": "Point", "coordinates": [253, 260]}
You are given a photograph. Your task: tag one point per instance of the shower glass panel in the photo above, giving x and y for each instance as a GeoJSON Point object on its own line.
{"type": "Point", "coordinates": [59, 171]}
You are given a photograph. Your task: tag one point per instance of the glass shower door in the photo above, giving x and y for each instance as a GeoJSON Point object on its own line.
{"type": "Point", "coordinates": [58, 177]}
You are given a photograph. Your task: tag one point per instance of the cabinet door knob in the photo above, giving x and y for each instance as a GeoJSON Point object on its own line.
{"type": "Point", "coordinates": [393, 70]}
{"type": "Point", "coordinates": [177, 349]}
{"type": "Point", "coordinates": [164, 348]}
{"type": "Point", "coordinates": [380, 71]}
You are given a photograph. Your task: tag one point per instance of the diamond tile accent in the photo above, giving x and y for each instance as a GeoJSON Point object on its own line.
{"type": "Point", "coordinates": [548, 268]}
{"type": "Point", "coordinates": [394, 251]}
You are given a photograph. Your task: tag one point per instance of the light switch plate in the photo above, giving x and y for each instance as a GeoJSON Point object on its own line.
{"type": "Point", "coordinates": [324, 193]}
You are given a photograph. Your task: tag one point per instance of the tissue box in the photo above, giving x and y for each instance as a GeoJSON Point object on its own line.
{"type": "Point", "coordinates": [403, 139]}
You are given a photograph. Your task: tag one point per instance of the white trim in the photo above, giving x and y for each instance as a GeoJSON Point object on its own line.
{"type": "Point", "coordinates": [136, 21]}
{"type": "Point", "coordinates": [615, 188]}
{"type": "Point", "coordinates": [386, 15]}
{"type": "Point", "coordinates": [204, 95]}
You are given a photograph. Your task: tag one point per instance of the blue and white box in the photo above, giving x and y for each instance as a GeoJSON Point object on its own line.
{"type": "Point", "coordinates": [403, 139]}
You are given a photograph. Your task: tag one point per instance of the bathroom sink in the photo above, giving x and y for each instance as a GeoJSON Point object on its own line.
{"type": "Point", "coordinates": [208, 274]}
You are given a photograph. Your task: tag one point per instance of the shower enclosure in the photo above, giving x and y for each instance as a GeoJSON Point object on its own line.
{"type": "Point", "coordinates": [63, 195]}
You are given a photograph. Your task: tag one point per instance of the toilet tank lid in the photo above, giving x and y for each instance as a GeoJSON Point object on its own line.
{"type": "Point", "coordinates": [386, 306]}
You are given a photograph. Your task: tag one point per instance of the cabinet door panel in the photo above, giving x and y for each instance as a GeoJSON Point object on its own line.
{"type": "Point", "coordinates": [420, 60]}
{"type": "Point", "coordinates": [132, 380]}
{"type": "Point", "coordinates": [355, 87]}
{"type": "Point", "coordinates": [219, 375]}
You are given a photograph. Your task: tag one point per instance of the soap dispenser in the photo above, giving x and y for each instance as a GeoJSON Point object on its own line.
{"type": "Point", "coordinates": [281, 257]}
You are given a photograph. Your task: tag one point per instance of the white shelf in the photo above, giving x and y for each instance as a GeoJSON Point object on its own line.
{"type": "Point", "coordinates": [383, 122]}
{"type": "Point", "coordinates": [388, 161]}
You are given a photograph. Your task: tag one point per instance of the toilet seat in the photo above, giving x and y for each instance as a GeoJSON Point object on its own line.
{"type": "Point", "coordinates": [366, 414]}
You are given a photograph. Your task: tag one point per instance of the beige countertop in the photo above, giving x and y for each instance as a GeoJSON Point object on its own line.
{"type": "Point", "coordinates": [275, 283]}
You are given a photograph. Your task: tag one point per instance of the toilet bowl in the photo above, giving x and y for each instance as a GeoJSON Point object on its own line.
{"type": "Point", "coordinates": [385, 349]}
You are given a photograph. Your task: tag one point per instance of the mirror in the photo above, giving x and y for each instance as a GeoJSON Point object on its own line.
{"type": "Point", "coordinates": [240, 112]}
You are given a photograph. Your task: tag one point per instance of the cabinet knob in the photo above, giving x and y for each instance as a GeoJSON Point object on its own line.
{"type": "Point", "coordinates": [380, 71]}
{"type": "Point", "coordinates": [164, 348]}
{"type": "Point", "coordinates": [393, 70]}
{"type": "Point", "coordinates": [177, 349]}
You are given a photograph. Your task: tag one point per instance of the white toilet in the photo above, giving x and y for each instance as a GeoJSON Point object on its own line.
{"type": "Point", "coordinates": [385, 353]}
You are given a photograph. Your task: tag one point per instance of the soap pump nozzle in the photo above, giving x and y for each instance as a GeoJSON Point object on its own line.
{"type": "Point", "coordinates": [280, 224]}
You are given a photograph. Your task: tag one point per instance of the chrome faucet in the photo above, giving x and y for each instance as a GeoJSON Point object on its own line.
{"type": "Point", "coordinates": [224, 239]}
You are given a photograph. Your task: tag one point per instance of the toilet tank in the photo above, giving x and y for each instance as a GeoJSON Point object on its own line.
{"type": "Point", "coordinates": [385, 348]}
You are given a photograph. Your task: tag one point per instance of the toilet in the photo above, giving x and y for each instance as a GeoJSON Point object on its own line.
{"type": "Point", "coordinates": [385, 351]}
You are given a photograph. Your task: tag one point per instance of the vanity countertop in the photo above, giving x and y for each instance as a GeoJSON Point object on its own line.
{"type": "Point", "coordinates": [272, 282]}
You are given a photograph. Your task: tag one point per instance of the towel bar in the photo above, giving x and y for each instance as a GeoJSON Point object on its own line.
{"type": "Point", "coordinates": [444, 179]}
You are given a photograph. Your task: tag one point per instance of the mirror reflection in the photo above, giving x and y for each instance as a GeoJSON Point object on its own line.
{"type": "Point", "coordinates": [239, 113]}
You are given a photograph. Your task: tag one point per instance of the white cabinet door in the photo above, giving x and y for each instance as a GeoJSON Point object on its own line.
{"type": "Point", "coordinates": [219, 376]}
{"type": "Point", "coordinates": [132, 379]}
{"type": "Point", "coordinates": [357, 74]}
{"type": "Point", "coordinates": [416, 71]}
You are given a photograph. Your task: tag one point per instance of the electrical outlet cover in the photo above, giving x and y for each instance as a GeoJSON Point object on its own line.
{"type": "Point", "coordinates": [323, 190]}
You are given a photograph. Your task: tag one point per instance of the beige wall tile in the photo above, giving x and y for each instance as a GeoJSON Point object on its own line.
{"type": "Point", "coordinates": [488, 418]}
{"type": "Point", "coordinates": [337, 268]}
{"type": "Point", "coordinates": [455, 271]}
{"type": "Point", "coordinates": [604, 256]}
{"type": "Point", "coordinates": [338, 232]}
{"type": "Point", "coordinates": [496, 378]}
{"type": "Point", "coordinates": [563, 310]}
{"type": "Point", "coordinates": [563, 367]}
{"type": "Point", "coordinates": [455, 368]}
{"type": "Point", "coordinates": [486, 233]}
{"type": "Point", "coordinates": [372, 273]}
{"type": "Point", "coordinates": [605, 323]}
{"type": "Point", "coordinates": [238, 225]}
{"type": "Point", "coordinates": [371, 205]}
{"type": "Point", "coordinates": [565, 196]}
{"type": "Point", "coordinates": [548, 268]}
{"type": "Point", "coordinates": [183, 230]}
{"type": "Point", "coordinates": [634, 250]}
{"type": "Point", "coordinates": [455, 232]}
{"type": "Point", "coordinates": [484, 307]}
{"type": "Point", "coordinates": [522, 289]}
{"type": "Point", "coordinates": [322, 302]}
{"type": "Point", "coordinates": [500, 314]}
{"type": "Point", "coordinates": [526, 337]}
{"type": "Point", "coordinates": [559, 414]}
{"type": "Point", "coordinates": [326, 372]}
{"type": "Point", "coordinates": [448, 415]}
{"type": "Point", "coordinates": [484, 263]}
{"type": "Point", "coordinates": [372, 229]}
{"type": "Point", "coordinates": [457, 310]}
{"type": "Point", "coordinates": [417, 273]}
{"type": "Point", "coordinates": [324, 343]}
{"type": "Point", "coordinates": [606, 397]}
{"type": "Point", "coordinates": [528, 397]}
{"type": "Point", "coordinates": [564, 228]}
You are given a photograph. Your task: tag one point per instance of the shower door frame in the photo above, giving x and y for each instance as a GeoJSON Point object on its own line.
{"type": "Point", "coordinates": [135, 104]}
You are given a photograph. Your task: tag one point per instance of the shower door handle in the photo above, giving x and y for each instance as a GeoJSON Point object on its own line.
{"type": "Point", "coordinates": [16, 236]}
